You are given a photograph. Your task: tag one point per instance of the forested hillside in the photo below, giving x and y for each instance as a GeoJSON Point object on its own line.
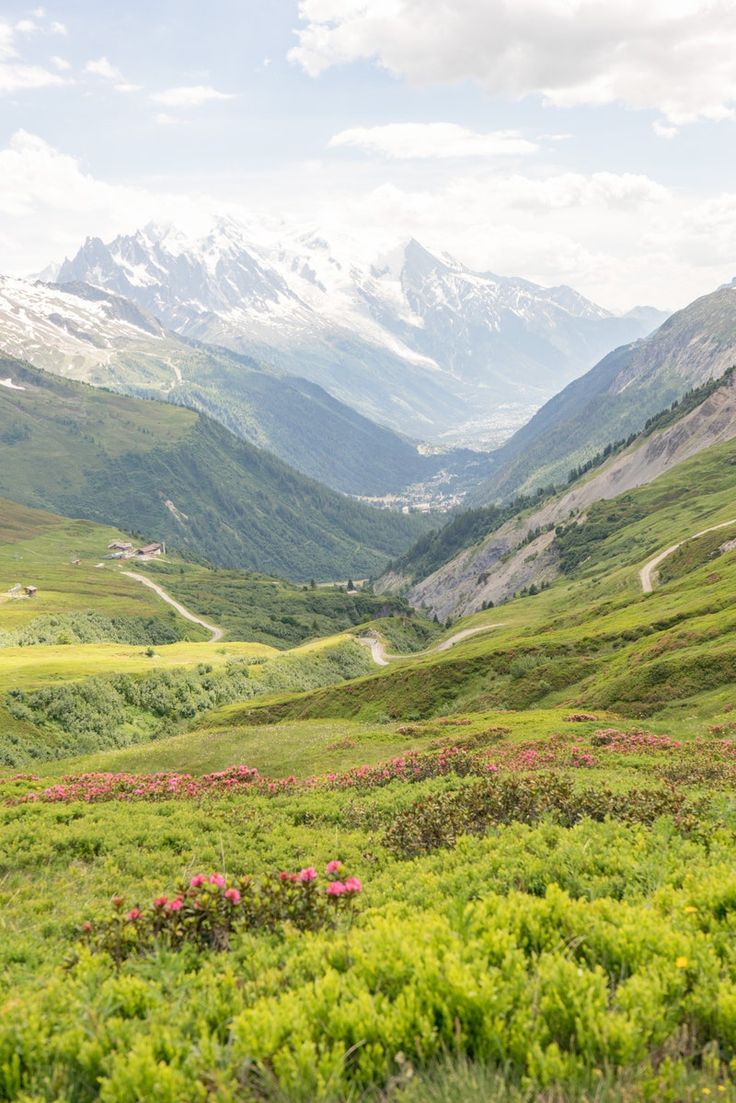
{"type": "Point", "coordinates": [171, 474]}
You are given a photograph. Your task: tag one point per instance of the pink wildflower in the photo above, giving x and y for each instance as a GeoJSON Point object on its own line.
{"type": "Point", "coordinates": [218, 879]}
{"type": "Point", "coordinates": [160, 902]}
{"type": "Point", "coordinates": [176, 905]}
{"type": "Point", "coordinates": [86, 926]}
{"type": "Point", "coordinates": [117, 901]}
{"type": "Point", "coordinates": [353, 884]}
{"type": "Point", "coordinates": [336, 888]}
{"type": "Point", "coordinates": [134, 913]}
{"type": "Point", "coordinates": [198, 881]}
{"type": "Point", "coordinates": [232, 895]}
{"type": "Point", "coordinates": [307, 874]}
{"type": "Point", "coordinates": [335, 866]}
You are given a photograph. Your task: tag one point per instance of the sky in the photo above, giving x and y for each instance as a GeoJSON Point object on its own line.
{"type": "Point", "coordinates": [566, 141]}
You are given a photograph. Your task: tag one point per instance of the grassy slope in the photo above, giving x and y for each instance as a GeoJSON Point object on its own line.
{"type": "Point", "coordinates": [593, 636]}
{"type": "Point", "coordinates": [38, 548]}
{"type": "Point", "coordinates": [590, 963]}
{"type": "Point", "coordinates": [85, 452]}
{"type": "Point", "coordinates": [270, 610]}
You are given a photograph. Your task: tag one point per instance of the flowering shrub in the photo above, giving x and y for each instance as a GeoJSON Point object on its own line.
{"type": "Point", "coordinates": [98, 787]}
{"type": "Point", "coordinates": [208, 909]}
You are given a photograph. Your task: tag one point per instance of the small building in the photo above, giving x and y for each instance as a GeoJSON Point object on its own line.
{"type": "Point", "coordinates": [119, 545]}
{"type": "Point", "coordinates": [31, 590]}
{"type": "Point", "coordinates": [151, 549]}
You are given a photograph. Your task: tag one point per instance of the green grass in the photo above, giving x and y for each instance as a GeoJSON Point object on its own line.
{"type": "Point", "coordinates": [273, 611]}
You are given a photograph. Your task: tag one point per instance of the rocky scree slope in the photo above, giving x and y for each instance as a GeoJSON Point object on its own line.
{"type": "Point", "coordinates": [512, 558]}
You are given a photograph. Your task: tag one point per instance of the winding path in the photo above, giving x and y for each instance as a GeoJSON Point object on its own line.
{"type": "Point", "coordinates": [646, 574]}
{"type": "Point", "coordinates": [217, 633]}
{"type": "Point", "coordinates": [381, 658]}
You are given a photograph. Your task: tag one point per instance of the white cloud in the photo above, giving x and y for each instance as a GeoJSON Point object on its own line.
{"type": "Point", "coordinates": [672, 56]}
{"type": "Point", "coordinates": [60, 63]}
{"type": "Point", "coordinates": [442, 140]}
{"type": "Point", "coordinates": [104, 68]}
{"type": "Point", "coordinates": [619, 238]}
{"type": "Point", "coordinates": [58, 28]}
{"type": "Point", "coordinates": [25, 26]}
{"type": "Point", "coordinates": [15, 75]}
{"type": "Point", "coordinates": [49, 205]}
{"type": "Point", "coordinates": [163, 118]}
{"type": "Point", "coordinates": [190, 95]}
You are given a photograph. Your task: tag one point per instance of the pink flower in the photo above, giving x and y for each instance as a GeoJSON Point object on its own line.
{"type": "Point", "coordinates": [233, 896]}
{"type": "Point", "coordinates": [176, 905]}
{"type": "Point", "coordinates": [86, 926]}
{"type": "Point", "coordinates": [117, 901]}
{"type": "Point", "coordinates": [134, 913]}
{"type": "Point", "coordinates": [307, 874]}
{"type": "Point", "coordinates": [353, 884]}
{"type": "Point", "coordinates": [218, 879]}
{"type": "Point", "coordinates": [336, 888]}
{"type": "Point", "coordinates": [335, 866]}
{"type": "Point", "coordinates": [198, 881]}
{"type": "Point", "coordinates": [160, 902]}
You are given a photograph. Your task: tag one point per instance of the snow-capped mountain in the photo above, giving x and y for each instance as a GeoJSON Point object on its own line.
{"type": "Point", "coordinates": [95, 336]}
{"type": "Point", "coordinates": [413, 340]}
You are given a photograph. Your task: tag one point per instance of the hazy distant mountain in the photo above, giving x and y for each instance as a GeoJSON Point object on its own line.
{"type": "Point", "coordinates": [615, 398]}
{"type": "Point", "coordinates": [414, 341]}
{"type": "Point", "coordinates": [98, 337]}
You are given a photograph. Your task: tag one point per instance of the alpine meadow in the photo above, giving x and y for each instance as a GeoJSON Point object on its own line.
{"type": "Point", "coordinates": [367, 552]}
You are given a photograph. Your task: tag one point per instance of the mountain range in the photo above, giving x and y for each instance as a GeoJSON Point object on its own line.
{"type": "Point", "coordinates": [413, 341]}
{"type": "Point", "coordinates": [616, 397]}
{"type": "Point", "coordinates": [84, 333]}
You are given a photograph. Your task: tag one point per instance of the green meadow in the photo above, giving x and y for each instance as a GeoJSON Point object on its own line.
{"type": "Point", "coordinates": [541, 819]}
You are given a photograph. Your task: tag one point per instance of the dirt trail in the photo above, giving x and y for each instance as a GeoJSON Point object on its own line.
{"type": "Point", "coordinates": [646, 574]}
{"type": "Point", "coordinates": [381, 658]}
{"type": "Point", "coordinates": [217, 633]}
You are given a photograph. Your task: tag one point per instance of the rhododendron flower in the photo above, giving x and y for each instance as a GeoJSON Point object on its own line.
{"type": "Point", "coordinates": [218, 879]}
{"type": "Point", "coordinates": [335, 866]}
{"type": "Point", "coordinates": [307, 874]}
{"type": "Point", "coordinates": [353, 884]}
{"type": "Point", "coordinates": [176, 905]}
{"type": "Point", "coordinates": [283, 876]}
{"type": "Point", "coordinates": [160, 902]}
{"type": "Point", "coordinates": [135, 913]}
{"type": "Point", "coordinates": [86, 926]}
{"type": "Point", "coordinates": [336, 888]}
{"type": "Point", "coordinates": [117, 901]}
{"type": "Point", "coordinates": [232, 895]}
{"type": "Point", "coordinates": [198, 881]}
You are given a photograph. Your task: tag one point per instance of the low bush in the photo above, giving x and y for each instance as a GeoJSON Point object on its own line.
{"type": "Point", "coordinates": [441, 818]}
